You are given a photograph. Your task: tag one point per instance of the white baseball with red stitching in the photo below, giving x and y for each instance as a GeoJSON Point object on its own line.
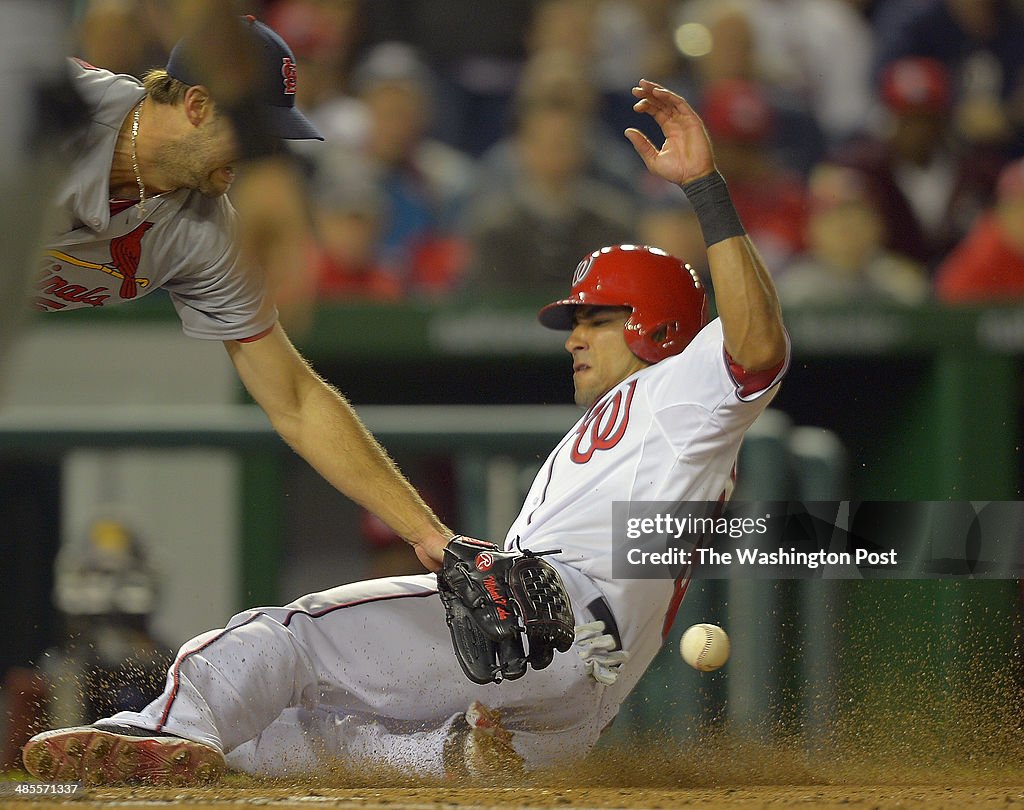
{"type": "Point", "coordinates": [705, 647]}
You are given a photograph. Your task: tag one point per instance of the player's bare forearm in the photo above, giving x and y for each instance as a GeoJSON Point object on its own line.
{"type": "Point", "coordinates": [747, 303]}
{"type": "Point", "coordinates": [331, 437]}
{"type": "Point", "coordinates": [321, 426]}
{"type": "Point", "coordinates": [744, 293]}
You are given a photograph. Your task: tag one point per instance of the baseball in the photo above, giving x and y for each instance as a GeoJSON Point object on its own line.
{"type": "Point", "coordinates": [704, 647]}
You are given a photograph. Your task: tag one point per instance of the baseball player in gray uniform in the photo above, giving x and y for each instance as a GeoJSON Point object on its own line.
{"type": "Point", "coordinates": [144, 208]}
{"type": "Point", "coordinates": [365, 674]}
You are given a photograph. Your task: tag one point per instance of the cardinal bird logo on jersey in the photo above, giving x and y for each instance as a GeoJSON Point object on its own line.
{"type": "Point", "coordinates": [125, 255]}
{"type": "Point", "coordinates": [604, 426]}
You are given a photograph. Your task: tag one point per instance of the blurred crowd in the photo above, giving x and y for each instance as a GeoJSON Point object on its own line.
{"type": "Point", "coordinates": [474, 147]}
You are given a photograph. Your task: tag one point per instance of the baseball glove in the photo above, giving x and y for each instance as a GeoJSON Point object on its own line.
{"type": "Point", "coordinates": [492, 599]}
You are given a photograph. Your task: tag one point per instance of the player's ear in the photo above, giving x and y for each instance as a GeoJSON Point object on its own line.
{"type": "Point", "coordinates": [198, 104]}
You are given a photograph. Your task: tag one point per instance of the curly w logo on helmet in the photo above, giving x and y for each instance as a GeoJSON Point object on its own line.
{"type": "Point", "coordinates": [582, 269]}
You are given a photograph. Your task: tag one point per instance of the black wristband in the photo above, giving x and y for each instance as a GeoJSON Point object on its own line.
{"type": "Point", "coordinates": [713, 206]}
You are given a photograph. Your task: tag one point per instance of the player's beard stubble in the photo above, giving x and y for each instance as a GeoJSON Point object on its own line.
{"type": "Point", "coordinates": [202, 161]}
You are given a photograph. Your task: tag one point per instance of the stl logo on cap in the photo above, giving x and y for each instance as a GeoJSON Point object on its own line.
{"type": "Point", "coordinates": [290, 74]}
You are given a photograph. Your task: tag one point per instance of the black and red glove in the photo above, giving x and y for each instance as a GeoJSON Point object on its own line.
{"type": "Point", "coordinates": [493, 599]}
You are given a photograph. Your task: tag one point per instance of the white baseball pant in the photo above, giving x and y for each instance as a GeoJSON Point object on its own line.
{"type": "Point", "coordinates": [363, 673]}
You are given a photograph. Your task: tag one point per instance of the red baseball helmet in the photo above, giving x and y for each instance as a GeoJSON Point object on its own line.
{"type": "Point", "coordinates": [669, 303]}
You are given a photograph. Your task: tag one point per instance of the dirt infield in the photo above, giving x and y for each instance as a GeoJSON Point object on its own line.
{"type": "Point", "coordinates": [846, 797]}
{"type": "Point", "coordinates": [649, 774]}
{"type": "Point", "coordinates": [936, 748]}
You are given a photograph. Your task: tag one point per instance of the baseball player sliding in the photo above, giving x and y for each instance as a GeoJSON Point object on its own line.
{"type": "Point", "coordinates": [364, 673]}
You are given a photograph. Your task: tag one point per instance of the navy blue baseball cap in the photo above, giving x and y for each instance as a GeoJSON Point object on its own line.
{"type": "Point", "coordinates": [278, 81]}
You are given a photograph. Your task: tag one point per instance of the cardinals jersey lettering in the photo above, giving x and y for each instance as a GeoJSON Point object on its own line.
{"type": "Point", "coordinates": [105, 253]}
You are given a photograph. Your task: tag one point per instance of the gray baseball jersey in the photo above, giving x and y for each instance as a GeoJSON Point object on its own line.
{"type": "Point", "coordinates": [106, 252]}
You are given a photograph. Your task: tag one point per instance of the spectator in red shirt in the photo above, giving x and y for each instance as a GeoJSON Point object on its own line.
{"type": "Point", "coordinates": [988, 265]}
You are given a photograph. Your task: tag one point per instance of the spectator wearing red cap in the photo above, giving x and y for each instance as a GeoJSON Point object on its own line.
{"type": "Point", "coordinates": [981, 44]}
{"type": "Point", "coordinates": [988, 265]}
{"type": "Point", "coordinates": [931, 186]}
{"type": "Point", "coordinates": [770, 200]}
{"type": "Point", "coordinates": [846, 259]}
{"type": "Point", "coordinates": [916, 85]}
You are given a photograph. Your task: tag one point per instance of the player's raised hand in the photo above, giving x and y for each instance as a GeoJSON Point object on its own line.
{"type": "Point", "coordinates": [686, 153]}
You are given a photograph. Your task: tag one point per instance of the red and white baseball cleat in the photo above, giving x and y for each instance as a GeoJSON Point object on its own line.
{"type": "Point", "coordinates": [109, 754]}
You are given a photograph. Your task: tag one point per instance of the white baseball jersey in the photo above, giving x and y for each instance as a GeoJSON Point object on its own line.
{"type": "Point", "coordinates": [365, 672]}
{"type": "Point", "coordinates": [105, 252]}
{"type": "Point", "coordinates": [670, 432]}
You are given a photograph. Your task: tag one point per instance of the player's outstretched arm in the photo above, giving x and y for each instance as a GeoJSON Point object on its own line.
{"type": "Point", "coordinates": [321, 426]}
{"type": "Point", "coordinates": [744, 293]}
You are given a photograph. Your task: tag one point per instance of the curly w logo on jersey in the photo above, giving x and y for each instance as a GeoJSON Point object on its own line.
{"type": "Point", "coordinates": [604, 426]}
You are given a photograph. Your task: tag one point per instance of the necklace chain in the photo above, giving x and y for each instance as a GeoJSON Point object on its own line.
{"type": "Point", "coordinates": [135, 160]}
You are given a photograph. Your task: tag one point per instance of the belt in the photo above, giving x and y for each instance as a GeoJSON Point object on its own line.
{"type": "Point", "coordinates": [599, 610]}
